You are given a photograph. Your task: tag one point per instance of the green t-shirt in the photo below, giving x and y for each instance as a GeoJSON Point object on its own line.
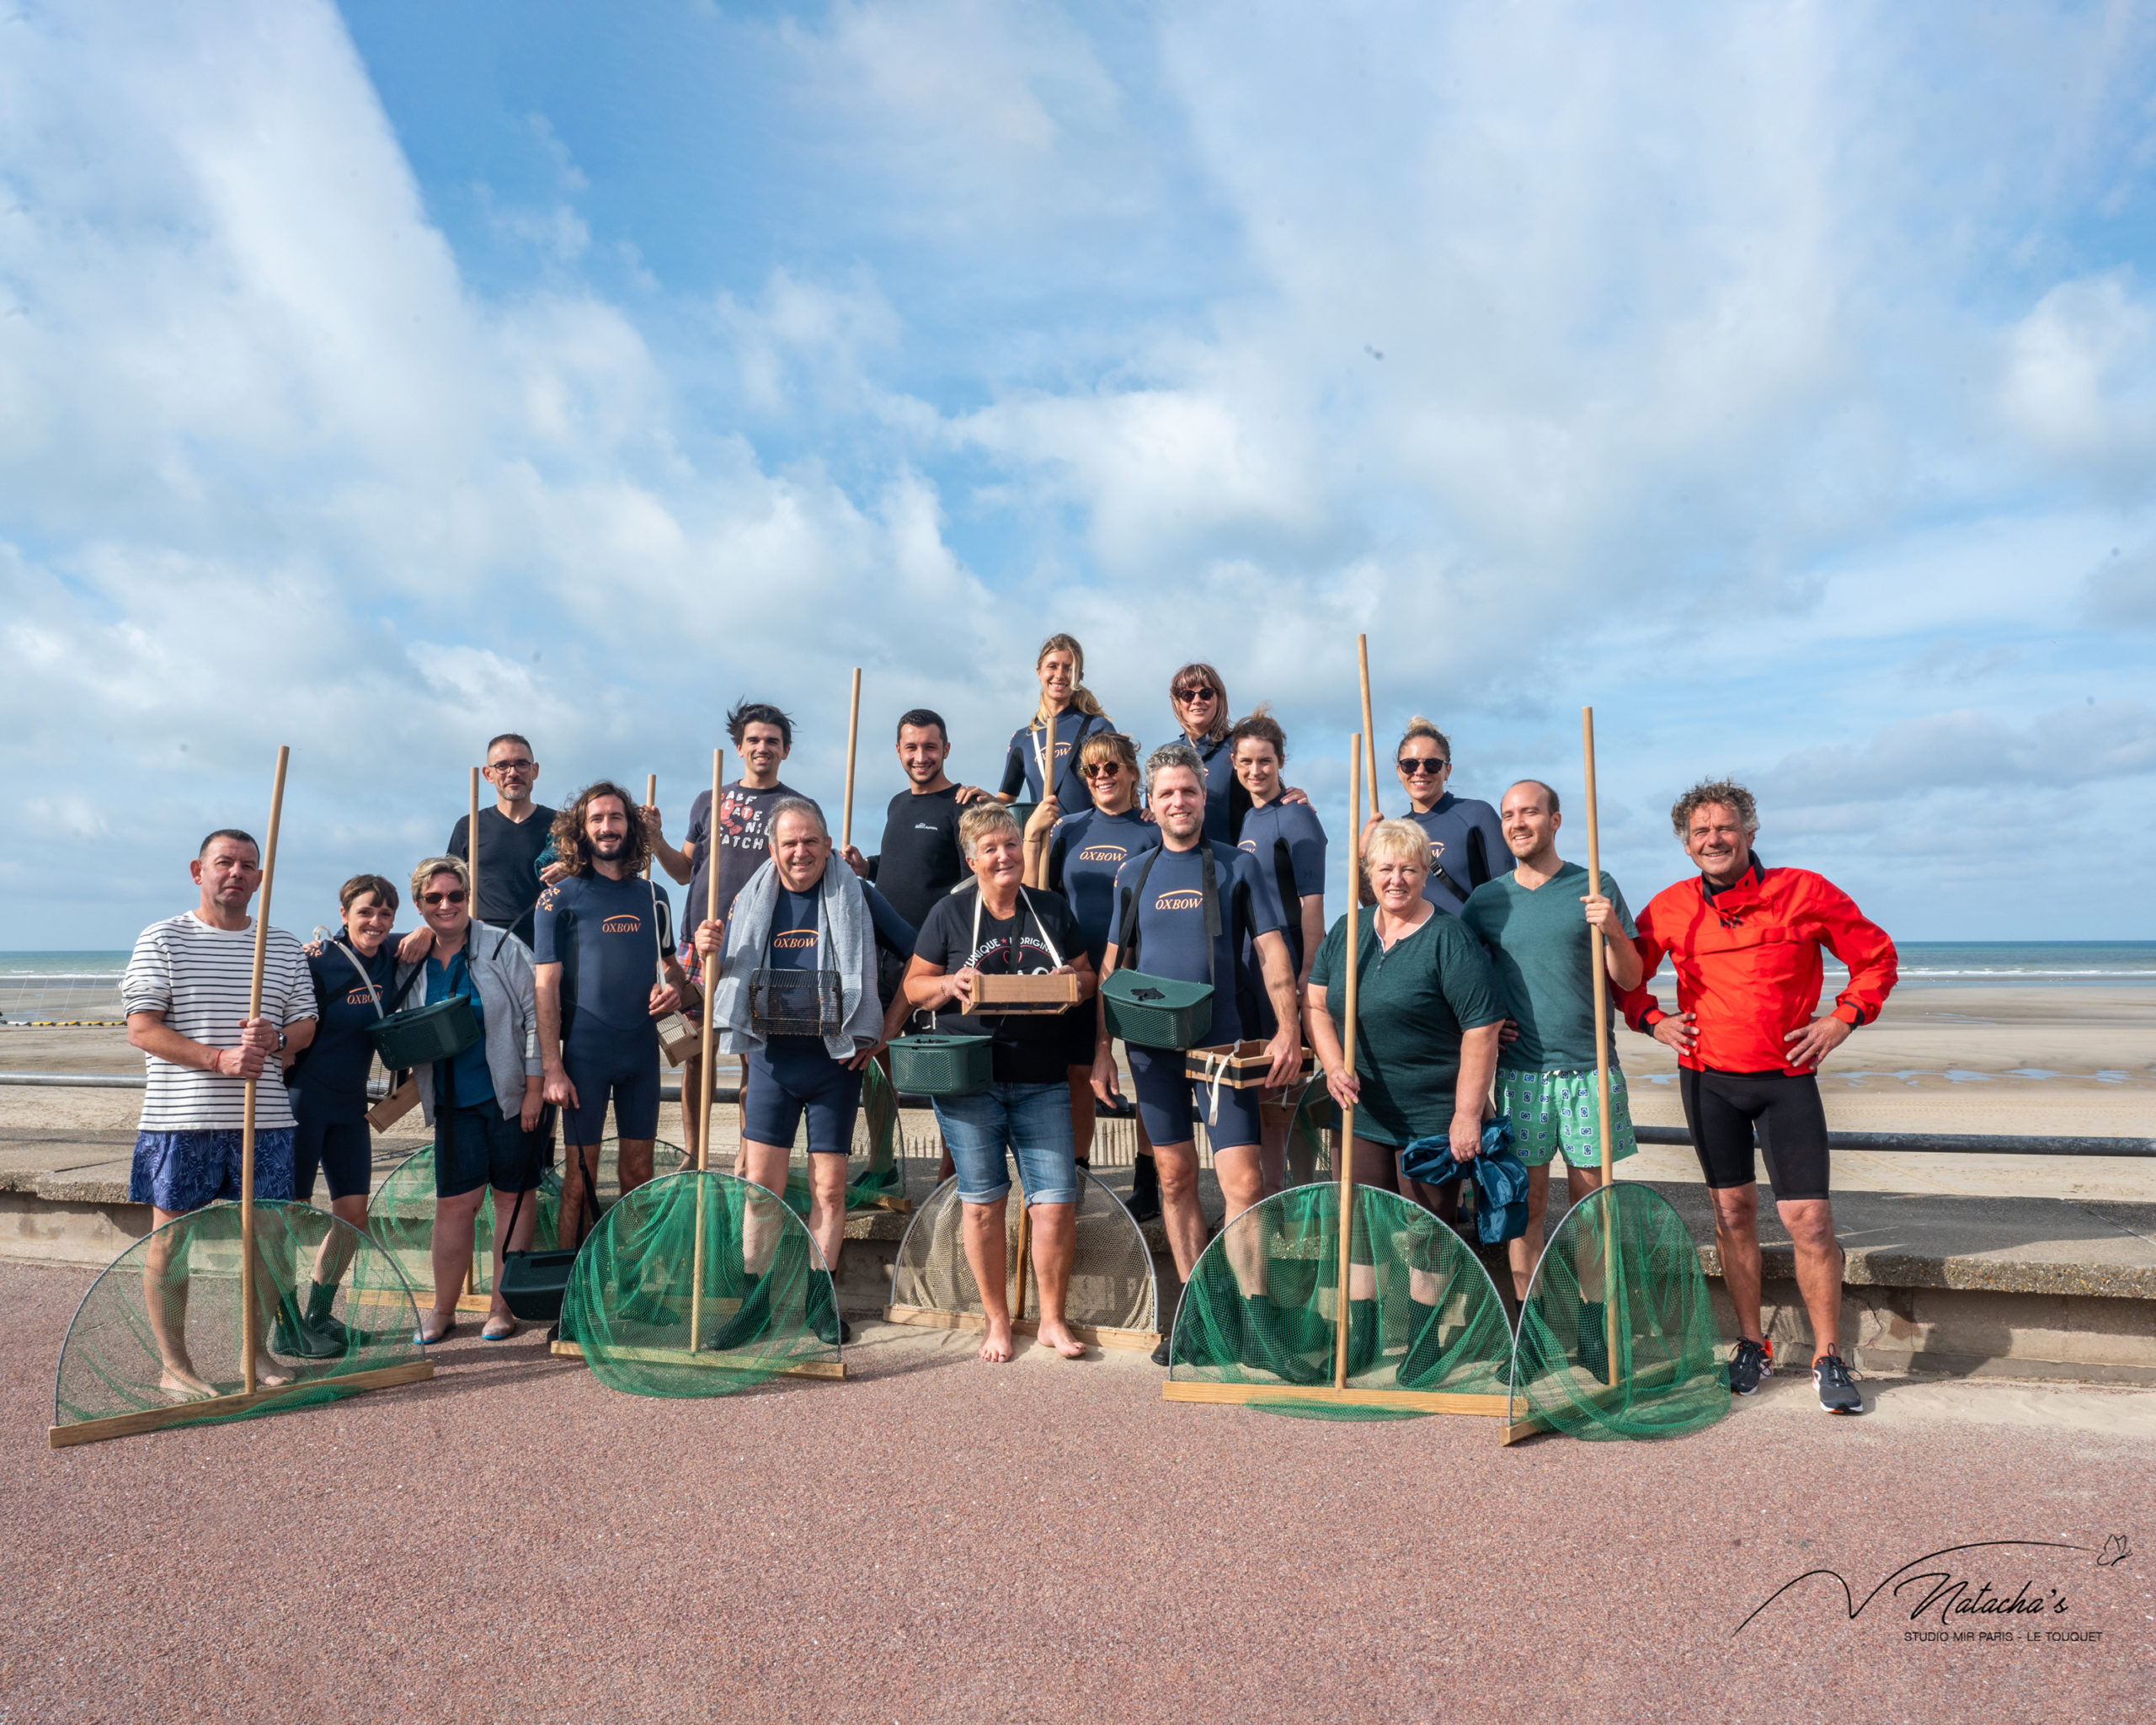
{"type": "Point", "coordinates": [1411, 1004]}
{"type": "Point", "coordinates": [1541, 952]}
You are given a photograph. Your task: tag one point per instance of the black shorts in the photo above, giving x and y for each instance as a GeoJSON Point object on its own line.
{"type": "Point", "coordinates": [344, 1150]}
{"type": "Point", "coordinates": [1169, 1102]}
{"type": "Point", "coordinates": [602, 1061]}
{"type": "Point", "coordinates": [1721, 1109]}
{"type": "Point", "coordinates": [478, 1146]}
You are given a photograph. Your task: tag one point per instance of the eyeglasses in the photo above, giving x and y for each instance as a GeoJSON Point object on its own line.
{"type": "Point", "coordinates": [1191, 697]}
{"type": "Point", "coordinates": [518, 768]}
{"type": "Point", "coordinates": [1101, 769]}
{"type": "Point", "coordinates": [455, 897]}
{"type": "Point", "coordinates": [1414, 766]}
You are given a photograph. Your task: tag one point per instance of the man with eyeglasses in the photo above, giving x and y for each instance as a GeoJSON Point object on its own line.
{"type": "Point", "coordinates": [513, 836]}
{"type": "Point", "coordinates": [1467, 841]}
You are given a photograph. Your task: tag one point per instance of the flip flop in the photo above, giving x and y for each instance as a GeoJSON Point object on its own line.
{"type": "Point", "coordinates": [491, 1334]}
{"type": "Point", "coordinates": [422, 1339]}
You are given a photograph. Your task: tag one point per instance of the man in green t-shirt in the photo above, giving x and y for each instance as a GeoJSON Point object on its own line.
{"type": "Point", "coordinates": [1533, 922]}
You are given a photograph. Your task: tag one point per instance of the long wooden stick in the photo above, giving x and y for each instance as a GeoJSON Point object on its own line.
{"type": "Point", "coordinates": [1601, 1041]}
{"type": "Point", "coordinates": [1342, 1313]}
{"type": "Point", "coordinates": [650, 799]}
{"type": "Point", "coordinates": [472, 847]}
{"type": "Point", "coordinates": [1370, 734]}
{"type": "Point", "coordinates": [250, 1320]}
{"type": "Point", "coordinates": [1018, 1266]}
{"type": "Point", "coordinates": [708, 969]}
{"type": "Point", "coordinates": [852, 748]}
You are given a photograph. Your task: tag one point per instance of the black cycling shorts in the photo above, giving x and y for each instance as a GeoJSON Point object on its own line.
{"type": "Point", "coordinates": [1721, 1109]}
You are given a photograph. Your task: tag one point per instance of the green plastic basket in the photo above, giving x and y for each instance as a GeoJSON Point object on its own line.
{"type": "Point", "coordinates": [420, 1035]}
{"type": "Point", "coordinates": [936, 1064]}
{"type": "Point", "coordinates": [1156, 1011]}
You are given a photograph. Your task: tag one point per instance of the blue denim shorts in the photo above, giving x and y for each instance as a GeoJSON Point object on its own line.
{"type": "Point", "coordinates": [1031, 1122]}
{"type": "Point", "coordinates": [177, 1171]}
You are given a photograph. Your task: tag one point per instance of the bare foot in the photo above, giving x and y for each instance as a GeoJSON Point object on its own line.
{"type": "Point", "coordinates": [996, 1348]}
{"type": "Point", "coordinates": [178, 1383]}
{"type": "Point", "coordinates": [1057, 1335]}
{"type": "Point", "coordinates": [269, 1374]}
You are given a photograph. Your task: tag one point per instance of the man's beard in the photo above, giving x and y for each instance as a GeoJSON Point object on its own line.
{"type": "Point", "coordinates": [608, 849]}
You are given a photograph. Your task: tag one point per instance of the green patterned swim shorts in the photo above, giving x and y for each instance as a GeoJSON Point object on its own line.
{"type": "Point", "coordinates": [1553, 1111]}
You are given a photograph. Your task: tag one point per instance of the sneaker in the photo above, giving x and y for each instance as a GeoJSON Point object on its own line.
{"type": "Point", "coordinates": [1837, 1385]}
{"type": "Point", "coordinates": [1752, 1361]}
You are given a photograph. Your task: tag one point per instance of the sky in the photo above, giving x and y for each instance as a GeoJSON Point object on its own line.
{"type": "Point", "coordinates": [1779, 379]}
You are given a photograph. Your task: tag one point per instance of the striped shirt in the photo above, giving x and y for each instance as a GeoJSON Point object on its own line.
{"type": "Point", "coordinates": [198, 977]}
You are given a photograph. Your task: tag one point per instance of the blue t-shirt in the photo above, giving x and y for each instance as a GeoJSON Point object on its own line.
{"type": "Point", "coordinates": [1287, 842]}
{"type": "Point", "coordinates": [328, 1081]}
{"type": "Point", "coordinates": [601, 933]}
{"type": "Point", "coordinates": [1171, 933]}
{"type": "Point", "coordinates": [1083, 855]}
{"type": "Point", "coordinates": [470, 1082]}
{"type": "Point", "coordinates": [1468, 843]}
{"type": "Point", "coordinates": [1022, 764]}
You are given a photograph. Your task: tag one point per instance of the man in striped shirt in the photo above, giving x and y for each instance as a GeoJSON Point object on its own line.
{"type": "Point", "coordinates": [185, 995]}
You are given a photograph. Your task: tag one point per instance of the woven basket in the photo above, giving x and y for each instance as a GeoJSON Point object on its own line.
{"type": "Point", "coordinates": [935, 1064]}
{"type": "Point", "coordinates": [1156, 1011]}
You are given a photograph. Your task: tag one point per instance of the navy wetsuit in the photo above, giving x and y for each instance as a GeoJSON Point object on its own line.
{"type": "Point", "coordinates": [606, 935]}
{"type": "Point", "coordinates": [1287, 842]}
{"type": "Point", "coordinates": [328, 1081]}
{"type": "Point", "coordinates": [1022, 763]}
{"type": "Point", "coordinates": [790, 1076]}
{"type": "Point", "coordinates": [1170, 941]}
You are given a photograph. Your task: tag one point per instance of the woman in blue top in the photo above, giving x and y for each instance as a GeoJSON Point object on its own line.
{"type": "Point", "coordinates": [1079, 860]}
{"type": "Point", "coordinates": [484, 1105]}
{"type": "Point", "coordinates": [1067, 716]}
{"type": "Point", "coordinates": [353, 971]}
{"type": "Point", "coordinates": [1467, 841]}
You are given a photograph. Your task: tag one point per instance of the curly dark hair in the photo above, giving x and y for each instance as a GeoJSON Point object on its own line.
{"type": "Point", "coordinates": [573, 848]}
{"type": "Point", "coordinates": [1727, 792]}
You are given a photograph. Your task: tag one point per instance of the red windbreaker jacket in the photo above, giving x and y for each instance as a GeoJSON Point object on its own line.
{"type": "Point", "coordinates": [1747, 964]}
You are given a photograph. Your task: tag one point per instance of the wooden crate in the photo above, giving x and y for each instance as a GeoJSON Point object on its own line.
{"type": "Point", "coordinates": [1243, 1066]}
{"type": "Point", "coordinates": [1007, 994]}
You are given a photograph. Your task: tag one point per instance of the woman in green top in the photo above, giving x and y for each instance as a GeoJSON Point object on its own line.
{"type": "Point", "coordinates": [1426, 1018]}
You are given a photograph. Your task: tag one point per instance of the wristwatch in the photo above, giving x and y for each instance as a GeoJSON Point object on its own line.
{"type": "Point", "coordinates": [280, 1041]}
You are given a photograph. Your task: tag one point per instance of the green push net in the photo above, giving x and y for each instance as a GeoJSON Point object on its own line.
{"type": "Point", "coordinates": [1309, 1144]}
{"type": "Point", "coordinates": [1661, 1377]}
{"type": "Point", "coordinates": [1262, 1304]}
{"type": "Point", "coordinates": [700, 1284]}
{"type": "Point", "coordinates": [1111, 1284]}
{"type": "Point", "coordinates": [400, 1217]}
{"type": "Point", "coordinates": [163, 1324]}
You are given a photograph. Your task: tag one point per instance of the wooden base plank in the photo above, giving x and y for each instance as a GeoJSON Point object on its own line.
{"type": "Point", "coordinates": [1419, 1401]}
{"type": "Point", "coordinates": [681, 1356]}
{"type": "Point", "coordinates": [1653, 1378]}
{"type": "Point", "coordinates": [930, 1317]}
{"type": "Point", "coordinates": [151, 1419]}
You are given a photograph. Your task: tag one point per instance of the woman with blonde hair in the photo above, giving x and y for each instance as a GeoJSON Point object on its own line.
{"type": "Point", "coordinates": [1466, 839]}
{"type": "Point", "coordinates": [1066, 716]}
{"type": "Point", "coordinates": [1428, 1015]}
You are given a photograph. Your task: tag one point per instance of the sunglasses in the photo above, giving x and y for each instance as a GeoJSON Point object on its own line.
{"type": "Point", "coordinates": [455, 897]}
{"type": "Point", "coordinates": [1191, 697]}
{"type": "Point", "coordinates": [1101, 769]}
{"type": "Point", "coordinates": [1412, 765]}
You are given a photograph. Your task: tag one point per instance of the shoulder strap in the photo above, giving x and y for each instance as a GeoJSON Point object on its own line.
{"type": "Point", "coordinates": [418, 970]}
{"type": "Point", "coordinates": [1478, 856]}
{"type": "Point", "coordinates": [1127, 937]}
{"type": "Point", "coordinates": [1209, 890]}
{"type": "Point", "coordinates": [374, 993]}
{"type": "Point", "coordinates": [1046, 939]}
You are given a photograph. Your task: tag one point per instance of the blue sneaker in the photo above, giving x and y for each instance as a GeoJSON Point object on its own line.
{"type": "Point", "coordinates": [1837, 1385]}
{"type": "Point", "coordinates": [1752, 1361]}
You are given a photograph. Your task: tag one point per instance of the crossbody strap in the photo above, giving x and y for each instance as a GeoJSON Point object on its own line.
{"type": "Point", "coordinates": [1025, 903]}
{"type": "Point", "coordinates": [1127, 936]}
{"type": "Point", "coordinates": [1209, 891]}
{"type": "Point", "coordinates": [374, 993]}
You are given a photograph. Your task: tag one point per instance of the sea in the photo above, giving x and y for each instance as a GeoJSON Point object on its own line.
{"type": "Point", "coordinates": [61, 987]}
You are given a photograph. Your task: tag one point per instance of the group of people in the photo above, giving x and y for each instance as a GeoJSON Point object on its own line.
{"type": "Point", "coordinates": [1200, 865]}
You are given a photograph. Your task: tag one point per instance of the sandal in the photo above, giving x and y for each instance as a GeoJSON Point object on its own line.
{"type": "Point", "coordinates": [508, 1326]}
{"type": "Point", "coordinates": [424, 1340]}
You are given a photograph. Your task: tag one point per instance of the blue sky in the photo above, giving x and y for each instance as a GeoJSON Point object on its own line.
{"type": "Point", "coordinates": [1779, 379]}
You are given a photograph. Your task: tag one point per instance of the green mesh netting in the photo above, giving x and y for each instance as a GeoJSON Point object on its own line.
{"type": "Point", "coordinates": [1424, 1314]}
{"type": "Point", "coordinates": [401, 1218]}
{"type": "Point", "coordinates": [636, 1301]}
{"type": "Point", "coordinates": [1112, 1283]}
{"type": "Point", "coordinates": [1663, 1377]}
{"type": "Point", "coordinates": [1309, 1144]}
{"type": "Point", "coordinates": [169, 1310]}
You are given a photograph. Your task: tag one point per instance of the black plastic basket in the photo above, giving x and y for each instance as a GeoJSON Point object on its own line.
{"type": "Point", "coordinates": [419, 1035]}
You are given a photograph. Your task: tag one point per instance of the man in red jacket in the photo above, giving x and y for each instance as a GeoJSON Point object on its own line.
{"type": "Point", "coordinates": [1745, 941]}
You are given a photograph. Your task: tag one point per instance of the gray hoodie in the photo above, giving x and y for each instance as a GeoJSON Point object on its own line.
{"type": "Point", "coordinates": [501, 972]}
{"type": "Point", "coordinates": [852, 946]}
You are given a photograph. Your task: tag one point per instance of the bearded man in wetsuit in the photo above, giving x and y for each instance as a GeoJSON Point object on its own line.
{"type": "Point", "coordinates": [1745, 941]}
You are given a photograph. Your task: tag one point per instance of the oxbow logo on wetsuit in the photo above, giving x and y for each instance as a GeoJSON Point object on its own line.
{"type": "Point", "coordinates": [1103, 854]}
{"type": "Point", "coordinates": [622, 925]}
{"type": "Point", "coordinates": [358, 997]}
{"type": "Point", "coordinates": [1183, 898]}
{"type": "Point", "coordinates": [794, 940]}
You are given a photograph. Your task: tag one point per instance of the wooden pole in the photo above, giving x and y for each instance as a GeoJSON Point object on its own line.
{"type": "Point", "coordinates": [1019, 1264]}
{"type": "Point", "coordinates": [1601, 1040]}
{"type": "Point", "coordinates": [1341, 1313]}
{"type": "Point", "coordinates": [650, 798]}
{"type": "Point", "coordinates": [852, 748]}
{"type": "Point", "coordinates": [1369, 735]}
{"type": "Point", "coordinates": [250, 1320]}
{"type": "Point", "coordinates": [709, 972]}
{"type": "Point", "coordinates": [472, 846]}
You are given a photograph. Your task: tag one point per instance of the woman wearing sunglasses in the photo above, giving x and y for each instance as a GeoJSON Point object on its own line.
{"type": "Point", "coordinates": [1079, 860]}
{"type": "Point", "coordinates": [484, 1103]}
{"type": "Point", "coordinates": [1467, 841]}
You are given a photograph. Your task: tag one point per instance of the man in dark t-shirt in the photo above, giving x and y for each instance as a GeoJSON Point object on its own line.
{"type": "Point", "coordinates": [513, 835]}
{"type": "Point", "coordinates": [1161, 916]}
{"type": "Point", "coordinates": [605, 972]}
